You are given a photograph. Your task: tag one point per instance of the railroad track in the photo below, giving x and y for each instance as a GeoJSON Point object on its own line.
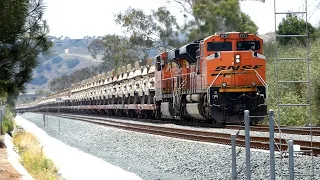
{"type": "Point", "coordinates": [316, 128]}
{"type": "Point", "coordinates": [196, 135]}
{"type": "Point", "coordinates": [283, 129]}
{"type": "Point", "coordinates": [258, 127]}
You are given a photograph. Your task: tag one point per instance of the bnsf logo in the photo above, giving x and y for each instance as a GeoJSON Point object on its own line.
{"type": "Point", "coordinates": [235, 68]}
{"type": "Point", "coordinates": [219, 68]}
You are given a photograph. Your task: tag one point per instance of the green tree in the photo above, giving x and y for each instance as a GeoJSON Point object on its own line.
{"type": "Point", "coordinates": [23, 38]}
{"type": "Point", "coordinates": [207, 17]}
{"type": "Point", "coordinates": [65, 81]}
{"type": "Point", "coordinates": [57, 84]}
{"type": "Point", "coordinates": [187, 8]}
{"type": "Point", "coordinates": [117, 50]}
{"type": "Point", "coordinates": [148, 31]}
{"type": "Point", "coordinates": [296, 93]}
{"type": "Point", "coordinates": [292, 25]}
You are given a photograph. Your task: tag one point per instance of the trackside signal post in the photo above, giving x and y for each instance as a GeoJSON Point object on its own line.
{"type": "Point", "coordinates": [247, 142]}
{"type": "Point", "coordinates": [285, 80]}
{"type": "Point", "coordinates": [271, 145]}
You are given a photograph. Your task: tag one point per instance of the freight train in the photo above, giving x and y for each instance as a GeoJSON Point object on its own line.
{"type": "Point", "coordinates": [211, 80]}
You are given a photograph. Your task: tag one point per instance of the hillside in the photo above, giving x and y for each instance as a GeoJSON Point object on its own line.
{"type": "Point", "coordinates": [67, 56]}
{"type": "Point", "coordinates": [268, 37]}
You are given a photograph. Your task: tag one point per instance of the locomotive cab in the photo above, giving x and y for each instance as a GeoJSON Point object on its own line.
{"type": "Point", "coordinates": [235, 70]}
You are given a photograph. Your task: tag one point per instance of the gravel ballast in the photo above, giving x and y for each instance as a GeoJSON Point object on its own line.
{"type": "Point", "coordinates": [158, 157]}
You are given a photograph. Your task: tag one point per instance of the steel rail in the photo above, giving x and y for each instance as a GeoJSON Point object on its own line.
{"type": "Point", "coordinates": [292, 127]}
{"type": "Point", "coordinates": [283, 129]}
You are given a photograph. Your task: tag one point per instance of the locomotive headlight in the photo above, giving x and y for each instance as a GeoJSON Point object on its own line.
{"type": "Point", "coordinates": [224, 84]}
{"type": "Point", "coordinates": [237, 58]}
{"type": "Point", "coordinates": [253, 83]}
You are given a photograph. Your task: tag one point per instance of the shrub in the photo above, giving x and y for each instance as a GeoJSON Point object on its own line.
{"type": "Point", "coordinates": [72, 63]}
{"type": "Point", "coordinates": [39, 80]}
{"type": "Point", "coordinates": [56, 59]}
{"type": "Point", "coordinates": [294, 93]}
{"type": "Point", "coordinates": [7, 126]}
{"type": "Point", "coordinates": [47, 67]}
{"type": "Point", "coordinates": [293, 25]}
{"type": "Point", "coordinates": [8, 123]}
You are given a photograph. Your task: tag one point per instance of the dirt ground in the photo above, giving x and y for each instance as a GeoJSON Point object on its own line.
{"type": "Point", "coordinates": [7, 172]}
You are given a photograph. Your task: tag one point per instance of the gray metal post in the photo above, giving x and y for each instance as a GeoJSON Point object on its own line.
{"type": "Point", "coordinates": [247, 137]}
{"type": "Point", "coordinates": [271, 145]}
{"type": "Point", "coordinates": [59, 114]}
{"type": "Point", "coordinates": [44, 119]}
{"type": "Point", "coordinates": [47, 116]}
{"type": "Point", "coordinates": [234, 157]}
{"type": "Point", "coordinates": [291, 161]}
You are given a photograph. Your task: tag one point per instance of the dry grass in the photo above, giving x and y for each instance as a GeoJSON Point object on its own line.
{"type": "Point", "coordinates": [32, 157]}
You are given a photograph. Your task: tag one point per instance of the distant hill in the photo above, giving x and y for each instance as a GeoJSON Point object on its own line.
{"type": "Point", "coordinates": [268, 36]}
{"type": "Point", "coordinates": [67, 56]}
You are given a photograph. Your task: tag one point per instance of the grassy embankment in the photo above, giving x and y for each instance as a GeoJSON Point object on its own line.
{"type": "Point", "coordinates": [32, 157]}
{"type": "Point", "coordinates": [295, 93]}
{"type": "Point", "coordinates": [30, 150]}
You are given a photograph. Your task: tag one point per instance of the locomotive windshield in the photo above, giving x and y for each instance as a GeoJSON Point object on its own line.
{"type": "Point", "coordinates": [219, 46]}
{"type": "Point", "coordinates": [248, 45]}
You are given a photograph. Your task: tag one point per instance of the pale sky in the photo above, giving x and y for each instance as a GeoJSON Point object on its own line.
{"type": "Point", "coordinates": [78, 18]}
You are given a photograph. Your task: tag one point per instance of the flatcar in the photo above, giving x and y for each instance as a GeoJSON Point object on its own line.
{"type": "Point", "coordinates": [211, 80]}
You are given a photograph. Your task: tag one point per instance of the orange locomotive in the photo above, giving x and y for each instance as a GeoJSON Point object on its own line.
{"type": "Point", "coordinates": [213, 79]}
